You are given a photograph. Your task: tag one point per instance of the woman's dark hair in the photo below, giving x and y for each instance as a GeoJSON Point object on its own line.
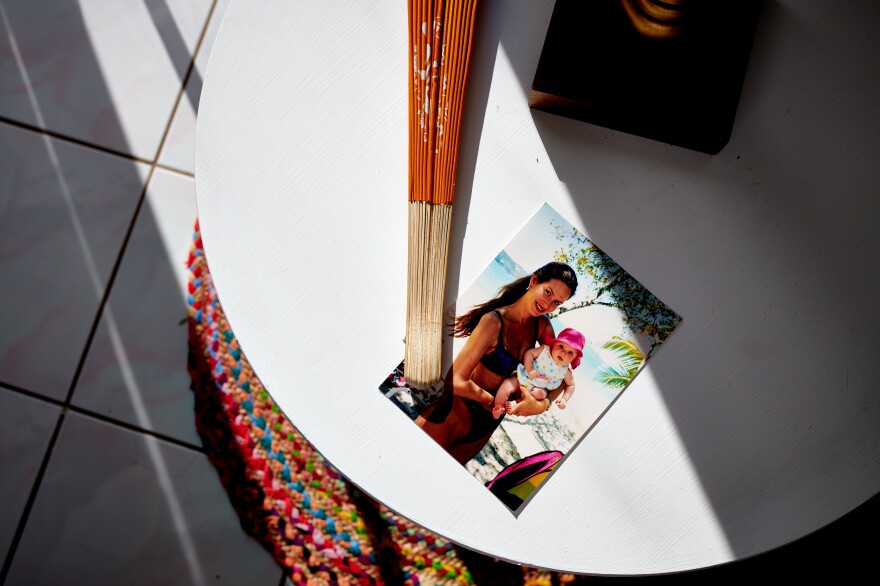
{"type": "Point", "coordinates": [464, 325]}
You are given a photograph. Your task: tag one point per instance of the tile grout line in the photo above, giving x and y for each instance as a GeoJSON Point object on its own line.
{"type": "Point", "coordinates": [134, 428]}
{"type": "Point", "coordinates": [186, 77]}
{"type": "Point", "coordinates": [111, 151]}
{"type": "Point", "coordinates": [175, 170]}
{"type": "Point", "coordinates": [44, 462]}
{"type": "Point", "coordinates": [47, 456]}
{"type": "Point", "coordinates": [141, 200]}
{"type": "Point", "coordinates": [65, 405]}
{"type": "Point", "coordinates": [91, 146]}
{"type": "Point", "coordinates": [28, 505]}
{"type": "Point", "coordinates": [69, 139]}
{"type": "Point", "coordinates": [108, 287]}
{"type": "Point", "coordinates": [102, 417]}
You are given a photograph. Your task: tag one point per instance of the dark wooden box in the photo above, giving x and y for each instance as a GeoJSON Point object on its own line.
{"type": "Point", "coordinates": [680, 86]}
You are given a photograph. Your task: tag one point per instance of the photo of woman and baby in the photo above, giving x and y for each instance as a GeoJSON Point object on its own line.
{"type": "Point", "coordinates": [538, 357]}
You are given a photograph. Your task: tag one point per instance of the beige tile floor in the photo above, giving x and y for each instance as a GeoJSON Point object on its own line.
{"type": "Point", "coordinates": [103, 477]}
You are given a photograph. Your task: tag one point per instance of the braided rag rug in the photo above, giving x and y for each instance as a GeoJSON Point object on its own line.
{"type": "Point", "coordinates": [318, 527]}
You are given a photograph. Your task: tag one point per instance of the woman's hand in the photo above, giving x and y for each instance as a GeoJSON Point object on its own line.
{"type": "Point", "coordinates": [530, 406]}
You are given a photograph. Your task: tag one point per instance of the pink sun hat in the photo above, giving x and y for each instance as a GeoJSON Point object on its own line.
{"type": "Point", "coordinates": [576, 340]}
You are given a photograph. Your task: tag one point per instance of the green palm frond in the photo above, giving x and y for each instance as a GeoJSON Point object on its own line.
{"type": "Point", "coordinates": [627, 352]}
{"type": "Point", "coordinates": [630, 358]}
{"type": "Point", "coordinates": [613, 378]}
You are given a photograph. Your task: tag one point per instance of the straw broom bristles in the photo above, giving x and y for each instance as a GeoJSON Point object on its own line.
{"type": "Point", "coordinates": [440, 34]}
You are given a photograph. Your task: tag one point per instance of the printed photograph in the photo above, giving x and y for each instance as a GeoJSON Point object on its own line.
{"type": "Point", "coordinates": [543, 342]}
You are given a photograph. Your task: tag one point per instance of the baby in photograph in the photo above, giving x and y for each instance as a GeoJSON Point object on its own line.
{"type": "Point", "coordinates": [544, 369]}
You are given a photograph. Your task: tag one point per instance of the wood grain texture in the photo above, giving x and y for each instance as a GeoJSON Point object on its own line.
{"type": "Point", "coordinates": [757, 423]}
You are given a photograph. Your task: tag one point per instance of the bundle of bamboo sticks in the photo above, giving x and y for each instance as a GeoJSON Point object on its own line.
{"type": "Point", "coordinates": [440, 35]}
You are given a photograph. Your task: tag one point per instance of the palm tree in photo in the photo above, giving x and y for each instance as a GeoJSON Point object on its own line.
{"type": "Point", "coordinates": [612, 286]}
{"type": "Point", "coordinates": [630, 359]}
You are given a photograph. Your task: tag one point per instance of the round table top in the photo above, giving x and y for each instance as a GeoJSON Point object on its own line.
{"type": "Point", "coordinates": [757, 422]}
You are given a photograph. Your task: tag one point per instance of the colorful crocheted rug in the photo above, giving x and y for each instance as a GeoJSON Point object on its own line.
{"type": "Point", "coordinates": [318, 526]}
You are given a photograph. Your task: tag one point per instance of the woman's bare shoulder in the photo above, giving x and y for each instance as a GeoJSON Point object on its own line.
{"type": "Point", "coordinates": [490, 323]}
{"type": "Point", "coordinates": [491, 318]}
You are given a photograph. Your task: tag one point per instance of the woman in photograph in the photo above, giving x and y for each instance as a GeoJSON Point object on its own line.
{"type": "Point", "coordinates": [498, 332]}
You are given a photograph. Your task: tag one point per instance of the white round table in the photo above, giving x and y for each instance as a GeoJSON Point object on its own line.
{"type": "Point", "coordinates": [756, 423]}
